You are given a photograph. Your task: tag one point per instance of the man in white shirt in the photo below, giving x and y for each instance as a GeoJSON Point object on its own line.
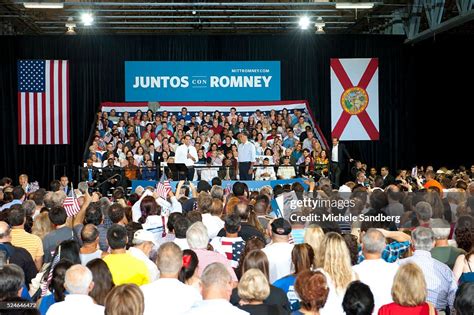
{"type": "Point", "coordinates": [266, 172]}
{"type": "Point", "coordinates": [279, 250]}
{"type": "Point", "coordinates": [168, 295]}
{"type": "Point", "coordinates": [286, 171]}
{"type": "Point", "coordinates": [78, 282]}
{"type": "Point", "coordinates": [180, 226]}
{"type": "Point", "coordinates": [209, 172]}
{"type": "Point", "coordinates": [143, 242]}
{"type": "Point", "coordinates": [216, 289]}
{"type": "Point", "coordinates": [187, 154]}
{"type": "Point", "coordinates": [247, 153]}
{"type": "Point", "coordinates": [374, 271]}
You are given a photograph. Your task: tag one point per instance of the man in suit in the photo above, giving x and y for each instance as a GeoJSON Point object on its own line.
{"type": "Point", "coordinates": [90, 173]}
{"type": "Point", "coordinates": [65, 185]}
{"type": "Point", "coordinates": [227, 171]}
{"type": "Point", "coordinates": [387, 178]}
{"type": "Point", "coordinates": [339, 157]}
{"type": "Point", "coordinates": [109, 171]}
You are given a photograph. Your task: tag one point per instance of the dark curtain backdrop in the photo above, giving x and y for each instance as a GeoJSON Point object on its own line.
{"type": "Point", "coordinates": [97, 74]}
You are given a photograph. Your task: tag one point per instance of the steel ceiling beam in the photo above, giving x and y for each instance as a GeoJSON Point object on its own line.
{"type": "Point", "coordinates": [190, 23]}
{"type": "Point", "coordinates": [145, 17]}
{"type": "Point", "coordinates": [199, 4]}
{"type": "Point", "coordinates": [443, 27]}
{"type": "Point", "coordinates": [207, 10]}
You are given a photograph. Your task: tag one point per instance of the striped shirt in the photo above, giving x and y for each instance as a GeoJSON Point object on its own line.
{"type": "Point", "coordinates": [30, 242]}
{"type": "Point", "coordinates": [440, 281]}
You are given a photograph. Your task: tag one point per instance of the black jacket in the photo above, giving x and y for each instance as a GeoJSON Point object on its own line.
{"type": "Point", "coordinates": [342, 154]}
{"type": "Point", "coordinates": [85, 173]}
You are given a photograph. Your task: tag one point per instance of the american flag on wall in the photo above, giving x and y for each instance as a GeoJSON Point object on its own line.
{"type": "Point", "coordinates": [43, 102]}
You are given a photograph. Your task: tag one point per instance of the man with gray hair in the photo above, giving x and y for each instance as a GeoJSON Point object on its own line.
{"type": "Point", "coordinates": [216, 289]}
{"type": "Point", "coordinates": [440, 281]}
{"type": "Point", "coordinates": [373, 269]}
{"type": "Point", "coordinates": [217, 192]}
{"type": "Point", "coordinates": [78, 282]}
{"type": "Point", "coordinates": [443, 251]}
{"type": "Point", "coordinates": [424, 212]}
{"type": "Point", "coordinates": [168, 295]}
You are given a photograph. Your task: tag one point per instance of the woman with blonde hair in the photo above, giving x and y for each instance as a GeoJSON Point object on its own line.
{"type": "Point", "coordinates": [313, 236]}
{"type": "Point", "coordinates": [42, 225]}
{"type": "Point", "coordinates": [334, 261]}
{"type": "Point", "coordinates": [126, 299]}
{"type": "Point", "coordinates": [253, 289]}
{"type": "Point", "coordinates": [409, 293]}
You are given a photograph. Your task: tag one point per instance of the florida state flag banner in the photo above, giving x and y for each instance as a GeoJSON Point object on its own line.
{"type": "Point", "coordinates": [355, 99]}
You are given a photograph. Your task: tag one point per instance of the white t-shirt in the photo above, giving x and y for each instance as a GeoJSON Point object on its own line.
{"type": "Point", "coordinates": [213, 224]}
{"type": "Point", "coordinates": [152, 268]}
{"type": "Point", "coordinates": [169, 296]}
{"type": "Point", "coordinates": [378, 275]}
{"type": "Point", "coordinates": [214, 307]}
{"type": "Point", "coordinates": [181, 155]}
{"type": "Point", "coordinates": [73, 304]}
{"type": "Point", "coordinates": [279, 257]}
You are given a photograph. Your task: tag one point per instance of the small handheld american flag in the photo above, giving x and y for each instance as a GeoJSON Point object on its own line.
{"type": "Point", "coordinates": [71, 205]}
{"type": "Point", "coordinates": [163, 187]}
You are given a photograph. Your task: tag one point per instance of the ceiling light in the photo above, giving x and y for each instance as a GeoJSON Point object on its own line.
{"type": "Point", "coordinates": [354, 5]}
{"type": "Point", "coordinates": [70, 26]}
{"type": "Point", "coordinates": [320, 26]}
{"type": "Point", "coordinates": [304, 22]}
{"type": "Point", "coordinates": [87, 19]}
{"type": "Point", "coordinates": [43, 5]}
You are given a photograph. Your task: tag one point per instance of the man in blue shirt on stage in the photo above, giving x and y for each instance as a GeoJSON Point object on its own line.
{"type": "Point", "coordinates": [247, 154]}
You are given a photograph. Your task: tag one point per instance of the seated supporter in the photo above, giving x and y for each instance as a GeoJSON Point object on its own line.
{"type": "Point", "coordinates": [286, 171]}
{"type": "Point", "coordinates": [265, 172]}
{"type": "Point", "coordinates": [209, 172]}
{"type": "Point", "coordinates": [149, 172]}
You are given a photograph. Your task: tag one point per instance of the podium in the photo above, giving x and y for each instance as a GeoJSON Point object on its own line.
{"type": "Point", "coordinates": [179, 171]}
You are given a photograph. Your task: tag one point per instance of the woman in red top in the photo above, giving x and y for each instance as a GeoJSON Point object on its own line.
{"type": "Point", "coordinates": [408, 293]}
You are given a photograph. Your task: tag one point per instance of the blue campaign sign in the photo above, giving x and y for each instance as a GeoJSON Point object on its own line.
{"type": "Point", "coordinates": [159, 81]}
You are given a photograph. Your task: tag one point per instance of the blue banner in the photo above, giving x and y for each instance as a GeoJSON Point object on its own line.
{"type": "Point", "coordinates": [161, 81]}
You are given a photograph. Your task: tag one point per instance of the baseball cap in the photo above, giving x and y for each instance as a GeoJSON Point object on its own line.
{"type": "Point", "coordinates": [281, 227]}
{"type": "Point", "coordinates": [144, 236]}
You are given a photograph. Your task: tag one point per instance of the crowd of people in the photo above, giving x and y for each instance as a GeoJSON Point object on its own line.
{"type": "Point", "coordinates": [207, 250]}
{"type": "Point", "coordinates": [280, 145]}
